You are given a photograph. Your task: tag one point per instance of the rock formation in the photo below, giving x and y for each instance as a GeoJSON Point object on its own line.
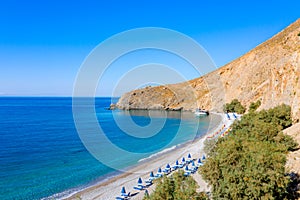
{"type": "Point", "coordinates": [270, 73]}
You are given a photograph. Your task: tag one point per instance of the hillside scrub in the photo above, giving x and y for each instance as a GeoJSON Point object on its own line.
{"type": "Point", "coordinates": [234, 106]}
{"type": "Point", "coordinates": [176, 187]}
{"type": "Point", "coordinates": [250, 162]}
{"type": "Point", "coordinates": [253, 106]}
{"type": "Point", "coordinates": [209, 145]}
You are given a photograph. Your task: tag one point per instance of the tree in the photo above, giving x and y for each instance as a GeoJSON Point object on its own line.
{"type": "Point", "coordinates": [253, 106]}
{"type": "Point", "coordinates": [209, 145]}
{"type": "Point", "coordinates": [234, 106]}
{"type": "Point", "coordinates": [250, 162]}
{"type": "Point", "coordinates": [176, 187]}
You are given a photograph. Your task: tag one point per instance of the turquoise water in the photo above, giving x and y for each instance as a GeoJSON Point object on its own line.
{"type": "Point", "coordinates": [41, 153]}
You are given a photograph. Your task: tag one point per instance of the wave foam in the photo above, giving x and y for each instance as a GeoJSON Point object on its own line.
{"type": "Point", "coordinates": [159, 153]}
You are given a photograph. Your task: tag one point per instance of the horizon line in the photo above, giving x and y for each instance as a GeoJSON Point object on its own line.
{"type": "Point", "coordinates": [3, 96]}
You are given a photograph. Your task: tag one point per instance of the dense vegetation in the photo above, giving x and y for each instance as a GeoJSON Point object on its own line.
{"type": "Point", "coordinates": [250, 162]}
{"type": "Point", "coordinates": [254, 105]}
{"type": "Point", "coordinates": [234, 106]}
{"type": "Point", "coordinates": [176, 187]}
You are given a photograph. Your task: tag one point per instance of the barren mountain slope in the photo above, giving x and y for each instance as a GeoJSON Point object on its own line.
{"type": "Point", "coordinates": [270, 72]}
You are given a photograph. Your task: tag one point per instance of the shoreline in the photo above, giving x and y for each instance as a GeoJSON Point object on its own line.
{"type": "Point", "coordinates": [110, 187]}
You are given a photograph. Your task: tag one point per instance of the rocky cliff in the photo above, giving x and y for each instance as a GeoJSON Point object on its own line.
{"type": "Point", "coordinates": [270, 72]}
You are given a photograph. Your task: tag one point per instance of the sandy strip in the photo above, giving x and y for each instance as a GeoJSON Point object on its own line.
{"type": "Point", "coordinates": [111, 188]}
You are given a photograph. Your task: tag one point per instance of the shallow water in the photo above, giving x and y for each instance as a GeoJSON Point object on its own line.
{"type": "Point", "coordinates": [41, 153]}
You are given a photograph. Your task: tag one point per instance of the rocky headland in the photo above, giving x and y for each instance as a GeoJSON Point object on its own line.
{"type": "Point", "coordinates": [269, 73]}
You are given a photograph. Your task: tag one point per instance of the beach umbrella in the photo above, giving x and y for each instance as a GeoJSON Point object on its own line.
{"type": "Point", "coordinates": [234, 116]}
{"type": "Point", "coordinates": [203, 157]}
{"type": "Point", "coordinates": [168, 166]}
{"type": "Point", "coordinates": [193, 163]}
{"type": "Point", "coordinates": [140, 182]}
{"type": "Point", "coordinates": [186, 168]}
{"type": "Point", "coordinates": [183, 160]}
{"type": "Point", "coordinates": [151, 174]}
{"type": "Point", "coordinates": [123, 191]}
{"type": "Point", "coordinates": [189, 156]}
{"type": "Point", "coordinates": [177, 163]}
{"type": "Point", "coordinates": [159, 170]}
{"type": "Point", "coordinates": [199, 161]}
{"type": "Point", "coordinates": [228, 116]}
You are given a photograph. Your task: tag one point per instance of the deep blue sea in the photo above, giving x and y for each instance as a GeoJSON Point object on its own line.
{"type": "Point", "coordinates": [41, 153]}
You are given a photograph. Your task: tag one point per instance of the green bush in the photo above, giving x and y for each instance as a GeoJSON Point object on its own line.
{"type": "Point", "coordinates": [209, 145]}
{"type": "Point", "coordinates": [253, 106]}
{"type": "Point", "coordinates": [234, 106]}
{"type": "Point", "coordinates": [176, 187]}
{"type": "Point", "coordinates": [250, 162]}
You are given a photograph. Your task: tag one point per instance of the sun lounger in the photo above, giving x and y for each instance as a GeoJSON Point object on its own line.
{"type": "Point", "coordinates": [159, 173]}
{"type": "Point", "coordinates": [183, 162]}
{"type": "Point", "coordinates": [167, 170]}
{"type": "Point", "coordinates": [189, 158]}
{"type": "Point", "coordinates": [124, 195]}
{"type": "Point", "coordinates": [121, 198]}
{"type": "Point", "coordinates": [199, 163]}
{"type": "Point", "coordinates": [187, 171]}
{"type": "Point", "coordinates": [234, 116]}
{"type": "Point", "coordinates": [139, 187]}
{"type": "Point", "coordinates": [148, 183]}
{"type": "Point", "coordinates": [176, 166]}
{"type": "Point", "coordinates": [151, 177]}
{"type": "Point", "coordinates": [194, 168]}
{"type": "Point", "coordinates": [228, 117]}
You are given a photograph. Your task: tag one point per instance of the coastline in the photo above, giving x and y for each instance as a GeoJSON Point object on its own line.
{"type": "Point", "coordinates": [110, 187]}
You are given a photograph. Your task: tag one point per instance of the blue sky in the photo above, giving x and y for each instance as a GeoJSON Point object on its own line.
{"type": "Point", "coordinates": [43, 43]}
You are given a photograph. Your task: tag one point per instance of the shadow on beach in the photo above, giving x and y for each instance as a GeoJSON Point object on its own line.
{"type": "Point", "coordinates": [294, 186]}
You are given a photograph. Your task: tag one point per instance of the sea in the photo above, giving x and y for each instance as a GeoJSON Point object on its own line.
{"type": "Point", "coordinates": [42, 155]}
